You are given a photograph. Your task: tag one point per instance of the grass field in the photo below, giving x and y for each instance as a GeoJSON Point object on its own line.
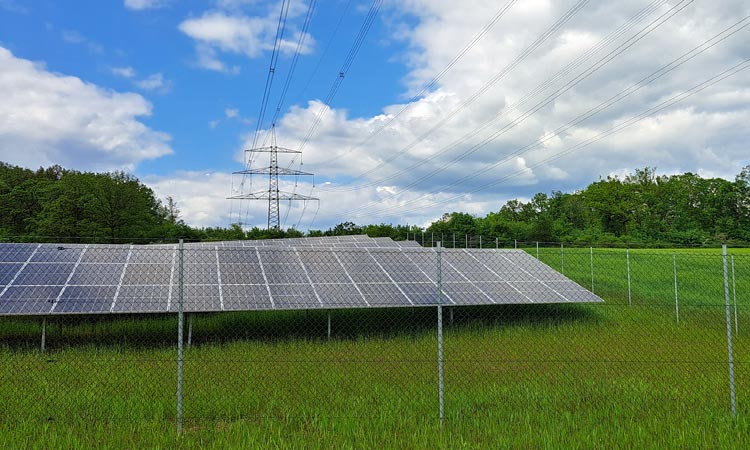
{"type": "Point", "coordinates": [532, 376]}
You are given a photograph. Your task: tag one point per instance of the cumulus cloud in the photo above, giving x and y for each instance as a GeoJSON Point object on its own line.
{"type": "Point", "coordinates": [13, 6]}
{"type": "Point", "coordinates": [74, 37]}
{"type": "Point", "coordinates": [124, 72]}
{"type": "Point", "coordinates": [140, 5]}
{"type": "Point", "coordinates": [497, 125]}
{"type": "Point", "coordinates": [49, 118]}
{"type": "Point", "coordinates": [503, 122]}
{"type": "Point", "coordinates": [229, 30]}
{"type": "Point", "coordinates": [201, 196]}
{"type": "Point", "coordinates": [234, 4]}
{"type": "Point", "coordinates": [202, 199]}
{"type": "Point", "coordinates": [155, 82]}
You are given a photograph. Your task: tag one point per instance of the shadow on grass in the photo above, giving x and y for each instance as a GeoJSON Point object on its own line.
{"type": "Point", "coordinates": [146, 331]}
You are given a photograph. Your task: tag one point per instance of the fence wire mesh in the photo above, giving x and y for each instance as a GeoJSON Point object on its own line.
{"type": "Point", "coordinates": [89, 334]}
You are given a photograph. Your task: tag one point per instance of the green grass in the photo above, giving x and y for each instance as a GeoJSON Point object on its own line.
{"type": "Point", "coordinates": [539, 376]}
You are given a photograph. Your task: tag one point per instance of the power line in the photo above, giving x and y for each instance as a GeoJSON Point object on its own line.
{"type": "Point", "coordinates": [433, 82]}
{"type": "Point", "coordinates": [282, 97]}
{"type": "Point", "coordinates": [490, 83]}
{"type": "Point", "coordinates": [575, 81]}
{"type": "Point", "coordinates": [348, 61]}
{"type": "Point", "coordinates": [327, 47]}
{"type": "Point", "coordinates": [272, 68]}
{"type": "Point", "coordinates": [743, 65]}
{"type": "Point", "coordinates": [283, 12]}
{"type": "Point", "coordinates": [293, 65]}
{"type": "Point", "coordinates": [539, 88]}
{"type": "Point", "coordinates": [661, 72]}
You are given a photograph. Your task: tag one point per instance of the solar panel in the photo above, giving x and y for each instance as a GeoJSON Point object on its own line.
{"type": "Point", "coordinates": [95, 279]}
{"type": "Point", "coordinates": [350, 241]}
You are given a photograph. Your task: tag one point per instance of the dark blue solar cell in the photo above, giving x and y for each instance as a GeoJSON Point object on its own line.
{"type": "Point", "coordinates": [28, 299]}
{"type": "Point", "coordinates": [86, 299]}
{"type": "Point", "coordinates": [8, 271]}
{"type": "Point", "coordinates": [200, 298]}
{"type": "Point", "coordinates": [44, 274]}
{"type": "Point", "coordinates": [105, 255]}
{"type": "Point", "coordinates": [144, 298]}
{"type": "Point", "coordinates": [97, 274]}
{"type": "Point", "coordinates": [57, 253]}
{"type": "Point", "coordinates": [239, 297]}
{"type": "Point", "coordinates": [16, 252]}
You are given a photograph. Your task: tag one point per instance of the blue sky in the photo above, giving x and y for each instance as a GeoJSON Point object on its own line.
{"type": "Point", "coordinates": [113, 46]}
{"type": "Point", "coordinates": [170, 90]}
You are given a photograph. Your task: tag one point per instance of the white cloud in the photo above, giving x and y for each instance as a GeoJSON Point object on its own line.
{"type": "Point", "coordinates": [421, 165]}
{"type": "Point", "coordinates": [202, 199]}
{"type": "Point", "coordinates": [13, 6]}
{"type": "Point", "coordinates": [229, 30]}
{"type": "Point", "coordinates": [74, 37]}
{"type": "Point", "coordinates": [155, 82]}
{"type": "Point", "coordinates": [233, 4]}
{"type": "Point", "coordinates": [201, 196]}
{"type": "Point", "coordinates": [48, 118]}
{"type": "Point", "coordinates": [206, 58]}
{"type": "Point", "coordinates": [401, 175]}
{"type": "Point", "coordinates": [124, 72]}
{"type": "Point", "coordinates": [140, 5]}
{"type": "Point", "coordinates": [231, 113]}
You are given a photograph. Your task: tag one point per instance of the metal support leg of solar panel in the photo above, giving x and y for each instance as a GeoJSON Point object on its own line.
{"type": "Point", "coordinates": [44, 334]}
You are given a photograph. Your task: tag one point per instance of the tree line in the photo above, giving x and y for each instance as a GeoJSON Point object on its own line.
{"type": "Point", "coordinates": [640, 207]}
{"type": "Point", "coordinates": [72, 206]}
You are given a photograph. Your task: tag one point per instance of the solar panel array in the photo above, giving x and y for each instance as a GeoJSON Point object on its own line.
{"type": "Point", "coordinates": [94, 279]}
{"type": "Point", "coordinates": [351, 241]}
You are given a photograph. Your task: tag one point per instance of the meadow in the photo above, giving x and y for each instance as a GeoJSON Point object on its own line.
{"type": "Point", "coordinates": [625, 373]}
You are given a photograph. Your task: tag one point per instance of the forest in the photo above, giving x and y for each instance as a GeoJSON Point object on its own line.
{"type": "Point", "coordinates": [66, 205]}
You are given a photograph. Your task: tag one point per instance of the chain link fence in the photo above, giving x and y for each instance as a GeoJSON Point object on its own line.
{"type": "Point", "coordinates": [178, 342]}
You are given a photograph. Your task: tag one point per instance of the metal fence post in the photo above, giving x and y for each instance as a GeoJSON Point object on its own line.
{"type": "Point", "coordinates": [537, 249]}
{"type": "Point", "coordinates": [676, 298]}
{"type": "Point", "coordinates": [592, 268]}
{"type": "Point", "coordinates": [467, 240]}
{"type": "Point", "coordinates": [180, 297]}
{"type": "Point", "coordinates": [627, 259]}
{"type": "Point", "coordinates": [440, 332]}
{"type": "Point", "coordinates": [729, 332]}
{"type": "Point", "coordinates": [497, 243]}
{"type": "Point", "coordinates": [734, 297]}
{"type": "Point", "coordinates": [480, 241]}
{"type": "Point", "coordinates": [44, 333]}
{"type": "Point", "coordinates": [515, 243]}
{"type": "Point", "coordinates": [454, 240]}
{"type": "Point", "coordinates": [190, 331]}
{"type": "Point", "coordinates": [562, 259]}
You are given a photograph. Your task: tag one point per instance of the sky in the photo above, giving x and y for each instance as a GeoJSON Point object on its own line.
{"type": "Point", "coordinates": [440, 106]}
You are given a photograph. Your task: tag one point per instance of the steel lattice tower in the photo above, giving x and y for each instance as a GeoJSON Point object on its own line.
{"type": "Point", "coordinates": [272, 194]}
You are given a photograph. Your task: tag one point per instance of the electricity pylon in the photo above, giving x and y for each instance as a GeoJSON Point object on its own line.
{"type": "Point", "coordinates": [272, 194]}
